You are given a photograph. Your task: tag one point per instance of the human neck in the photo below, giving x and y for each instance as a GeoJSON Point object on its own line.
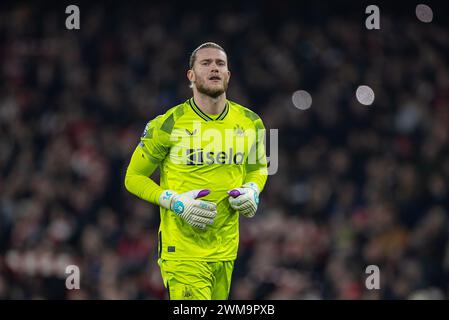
{"type": "Point", "coordinates": [208, 104]}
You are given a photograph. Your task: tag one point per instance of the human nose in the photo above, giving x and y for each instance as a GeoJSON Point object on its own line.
{"type": "Point", "coordinates": [214, 67]}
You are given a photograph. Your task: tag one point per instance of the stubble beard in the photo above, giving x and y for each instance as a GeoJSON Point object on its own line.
{"type": "Point", "coordinates": [211, 92]}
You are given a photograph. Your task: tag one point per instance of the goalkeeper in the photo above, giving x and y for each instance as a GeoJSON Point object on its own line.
{"type": "Point", "coordinates": [212, 162]}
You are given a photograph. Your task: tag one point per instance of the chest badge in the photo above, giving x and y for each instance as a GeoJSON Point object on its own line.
{"type": "Point", "coordinates": [238, 130]}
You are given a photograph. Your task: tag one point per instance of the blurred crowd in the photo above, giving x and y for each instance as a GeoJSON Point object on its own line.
{"type": "Point", "coordinates": [356, 185]}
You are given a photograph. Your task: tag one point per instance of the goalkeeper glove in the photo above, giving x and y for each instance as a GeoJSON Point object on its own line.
{"type": "Point", "coordinates": [197, 213]}
{"type": "Point", "coordinates": [245, 199]}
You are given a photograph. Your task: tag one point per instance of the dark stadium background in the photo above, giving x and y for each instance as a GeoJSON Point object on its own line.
{"type": "Point", "coordinates": [356, 186]}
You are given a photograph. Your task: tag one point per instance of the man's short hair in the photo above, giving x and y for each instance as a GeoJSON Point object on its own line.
{"type": "Point", "coordinates": [203, 46]}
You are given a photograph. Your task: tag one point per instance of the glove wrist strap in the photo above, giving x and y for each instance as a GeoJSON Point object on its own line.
{"type": "Point", "coordinates": [252, 185]}
{"type": "Point", "coordinates": [166, 198]}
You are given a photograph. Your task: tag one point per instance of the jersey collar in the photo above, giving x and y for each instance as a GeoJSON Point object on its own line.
{"type": "Point", "coordinates": [206, 117]}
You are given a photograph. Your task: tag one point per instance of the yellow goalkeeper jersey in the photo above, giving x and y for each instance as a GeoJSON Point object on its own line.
{"type": "Point", "coordinates": [199, 151]}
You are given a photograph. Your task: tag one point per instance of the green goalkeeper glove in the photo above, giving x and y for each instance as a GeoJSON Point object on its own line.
{"type": "Point", "coordinates": [245, 199]}
{"type": "Point", "coordinates": [197, 213]}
